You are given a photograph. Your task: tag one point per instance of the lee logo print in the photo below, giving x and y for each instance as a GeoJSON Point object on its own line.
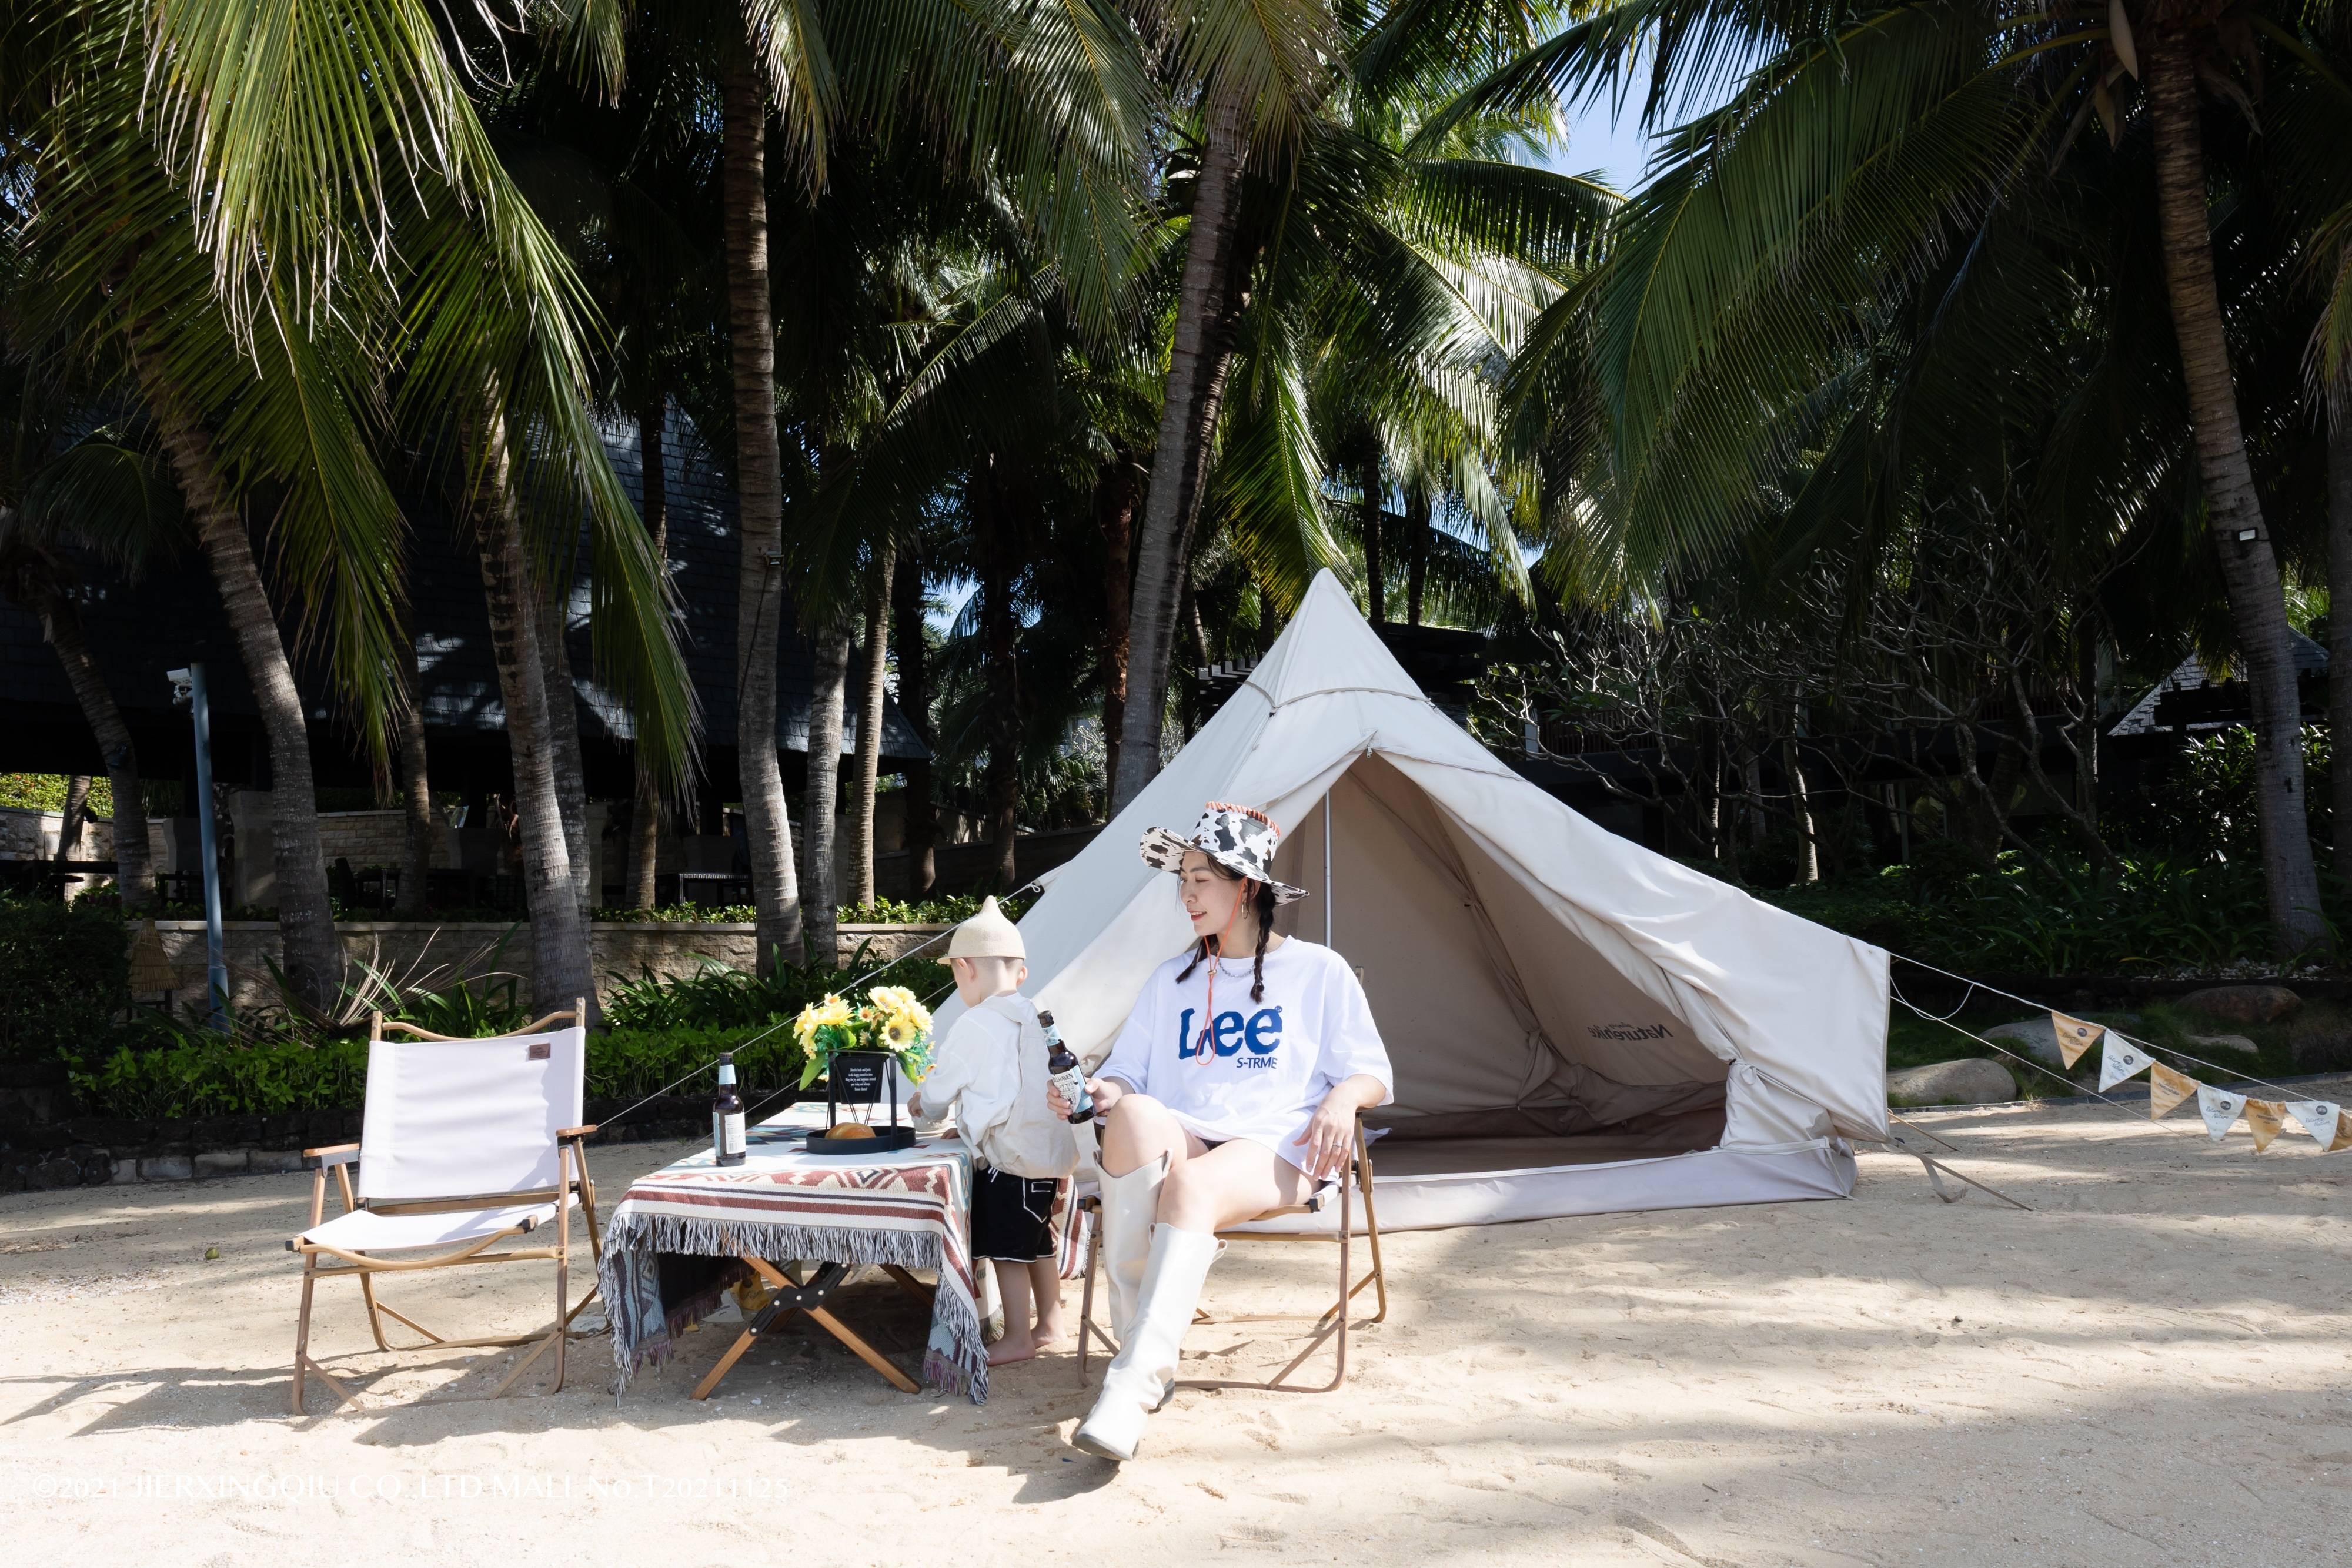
{"type": "Point", "coordinates": [1260, 1033]}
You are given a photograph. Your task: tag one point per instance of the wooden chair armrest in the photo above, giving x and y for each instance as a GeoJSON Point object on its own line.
{"type": "Point", "coordinates": [563, 1133]}
{"type": "Point", "coordinates": [331, 1154]}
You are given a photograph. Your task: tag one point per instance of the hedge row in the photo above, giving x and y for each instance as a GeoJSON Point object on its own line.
{"type": "Point", "coordinates": [205, 1079]}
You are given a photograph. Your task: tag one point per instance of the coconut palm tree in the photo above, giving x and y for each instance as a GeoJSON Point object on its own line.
{"type": "Point", "coordinates": [1048, 101]}
{"type": "Point", "coordinates": [257, 293]}
{"type": "Point", "coordinates": [102, 497]}
{"type": "Point", "coordinates": [1856, 147]}
{"type": "Point", "coordinates": [1349, 247]}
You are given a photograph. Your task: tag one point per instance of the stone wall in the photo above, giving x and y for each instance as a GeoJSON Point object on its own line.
{"type": "Point", "coordinates": [417, 953]}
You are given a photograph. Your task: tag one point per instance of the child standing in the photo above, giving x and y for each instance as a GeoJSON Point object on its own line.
{"type": "Point", "coordinates": [990, 1074]}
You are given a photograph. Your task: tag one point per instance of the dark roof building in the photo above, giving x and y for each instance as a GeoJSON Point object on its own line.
{"type": "Point", "coordinates": [2189, 702]}
{"type": "Point", "coordinates": [172, 615]}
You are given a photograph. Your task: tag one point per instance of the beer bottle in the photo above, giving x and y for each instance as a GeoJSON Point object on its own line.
{"type": "Point", "coordinates": [1066, 1075]}
{"type": "Point", "coordinates": [727, 1116]}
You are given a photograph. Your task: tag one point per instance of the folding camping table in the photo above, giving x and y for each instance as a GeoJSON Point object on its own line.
{"type": "Point", "coordinates": [801, 1223]}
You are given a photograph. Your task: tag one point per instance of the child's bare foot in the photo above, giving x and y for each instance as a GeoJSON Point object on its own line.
{"type": "Point", "coordinates": [1013, 1347]}
{"type": "Point", "coordinates": [1047, 1334]}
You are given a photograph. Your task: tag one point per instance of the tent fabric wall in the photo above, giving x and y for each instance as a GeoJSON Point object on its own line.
{"type": "Point", "coordinates": [1522, 962]}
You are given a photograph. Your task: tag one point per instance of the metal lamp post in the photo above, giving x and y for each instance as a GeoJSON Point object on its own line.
{"type": "Point", "coordinates": [189, 689]}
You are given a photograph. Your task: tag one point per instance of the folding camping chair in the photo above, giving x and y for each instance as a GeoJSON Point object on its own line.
{"type": "Point", "coordinates": [466, 1143]}
{"type": "Point", "coordinates": [1332, 1321]}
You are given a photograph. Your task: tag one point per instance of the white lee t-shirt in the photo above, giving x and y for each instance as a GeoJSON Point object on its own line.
{"type": "Point", "coordinates": [1269, 1063]}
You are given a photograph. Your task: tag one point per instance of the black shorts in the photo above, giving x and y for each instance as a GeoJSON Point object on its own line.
{"type": "Point", "coordinates": [1012, 1216]}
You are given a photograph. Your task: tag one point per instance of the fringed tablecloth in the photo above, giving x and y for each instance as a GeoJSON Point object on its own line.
{"type": "Point", "coordinates": [674, 1243]}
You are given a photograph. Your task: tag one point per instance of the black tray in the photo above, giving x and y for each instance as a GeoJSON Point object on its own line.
{"type": "Point", "coordinates": [884, 1139]}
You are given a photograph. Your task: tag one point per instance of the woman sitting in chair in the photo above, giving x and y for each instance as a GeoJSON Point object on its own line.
{"type": "Point", "coordinates": [1232, 1089]}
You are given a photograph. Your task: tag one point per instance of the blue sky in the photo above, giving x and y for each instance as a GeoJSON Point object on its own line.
{"type": "Point", "coordinates": [1600, 141]}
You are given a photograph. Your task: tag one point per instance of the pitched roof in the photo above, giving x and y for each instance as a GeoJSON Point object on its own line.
{"type": "Point", "coordinates": [2189, 675]}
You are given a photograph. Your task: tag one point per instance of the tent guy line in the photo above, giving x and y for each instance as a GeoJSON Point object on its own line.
{"type": "Point", "coordinates": [2231, 1073]}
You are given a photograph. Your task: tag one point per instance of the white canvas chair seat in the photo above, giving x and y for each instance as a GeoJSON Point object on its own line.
{"type": "Point", "coordinates": [368, 1231]}
{"type": "Point", "coordinates": [471, 1151]}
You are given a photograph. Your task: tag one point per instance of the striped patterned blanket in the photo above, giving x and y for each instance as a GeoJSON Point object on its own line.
{"type": "Point", "coordinates": [674, 1243]}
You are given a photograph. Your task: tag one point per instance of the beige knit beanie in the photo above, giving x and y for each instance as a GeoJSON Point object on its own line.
{"type": "Point", "coordinates": [987, 935]}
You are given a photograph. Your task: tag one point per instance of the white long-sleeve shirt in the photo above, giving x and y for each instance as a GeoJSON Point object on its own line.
{"type": "Point", "coordinates": [990, 1075]}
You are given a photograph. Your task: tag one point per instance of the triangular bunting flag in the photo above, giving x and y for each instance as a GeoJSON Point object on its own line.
{"type": "Point", "coordinates": [2167, 1089]}
{"type": "Point", "coordinates": [2120, 1060]}
{"type": "Point", "coordinates": [2264, 1119]}
{"type": "Point", "coordinates": [2343, 1133]}
{"type": "Point", "coordinates": [2318, 1119]}
{"type": "Point", "coordinates": [2074, 1037]}
{"type": "Point", "coordinates": [2219, 1108]}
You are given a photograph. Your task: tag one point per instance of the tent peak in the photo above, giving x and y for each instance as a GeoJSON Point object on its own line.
{"type": "Point", "coordinates": [1329, 646]}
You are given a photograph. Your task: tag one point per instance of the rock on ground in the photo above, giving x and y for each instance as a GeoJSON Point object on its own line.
{"type": "Point", "coordinates": [1972, 1080]}
{"type": "Point", "coordinates": [2226, 1042]}
{"type": "Point", "coordinates": [2243, 1004]}
{"type": "Point", "coordinates": [2034, 1037]}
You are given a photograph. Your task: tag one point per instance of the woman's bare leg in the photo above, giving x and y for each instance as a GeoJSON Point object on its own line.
{"type": "Point", "coordinates": [1229, 1184]}
{"type": "Point", "coordinates": [1139, 1131]}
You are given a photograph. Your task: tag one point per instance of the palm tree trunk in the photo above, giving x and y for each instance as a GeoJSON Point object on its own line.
{"type": "Point", "coordinates": [69, 819]}
{"type": "Point", "coordinates": [415, 785]}
{"type": "Point", "coordinates": [2339, 623]}
{"type": "Point", "coordinates": [561, 968]}
{"type": "Point", "coordinates": [870, 697]}
{"type": "Point", "coordinates": [1416, 555]}
{"type": "Point", "coordinates": [993, 552]}
{"type": "Point", "coordinates": [1376, 576]}
{"type": "Point", "coordinates": [554, 602]}
{"type": "Point", "coordinates": [922, 825]}
{"type": "Point", "coordinates": [645, 821]}
{"type": "Point", "coordinates": [820, 811]}
{"type": "Point", "coordinates": [1115, 497]}
{"type": "Point", "coordinates": [133, 868]}
{"type": "Point", "coordinates": [1202, 350]}
{"type": "Point", "coordinates": [2233, 512]}
{"type": "Point", "coordinates": [758, 489]}
{"type": "Point", "coordinates": [306, 919]}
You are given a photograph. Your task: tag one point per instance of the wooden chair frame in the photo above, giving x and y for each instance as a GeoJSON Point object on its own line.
{"type": "Point", "coordinates": [1333, 1321]}
{"type": "Point", "coordinates": [571, 1166]}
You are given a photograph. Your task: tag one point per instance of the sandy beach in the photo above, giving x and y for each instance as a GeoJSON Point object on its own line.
{"type": "Point", "coordinates": [2154, 1364]}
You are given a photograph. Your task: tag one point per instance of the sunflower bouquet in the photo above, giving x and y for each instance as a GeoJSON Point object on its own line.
{"type": "Point", "coordinates": [891, 1019]}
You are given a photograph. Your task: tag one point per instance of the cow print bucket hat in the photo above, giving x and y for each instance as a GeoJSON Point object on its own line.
{"type": "Point", "coordinates": [1237, 838]}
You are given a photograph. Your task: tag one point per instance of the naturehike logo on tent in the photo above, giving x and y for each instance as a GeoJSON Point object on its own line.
{"type": "Point", "coordinates": [1629, 1031]}
{"type": "Point", "coordinates": [1262, 1032]}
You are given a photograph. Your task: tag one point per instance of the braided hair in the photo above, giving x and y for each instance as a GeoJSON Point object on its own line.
{"type": "Point", "coordinates": [1262, 906]}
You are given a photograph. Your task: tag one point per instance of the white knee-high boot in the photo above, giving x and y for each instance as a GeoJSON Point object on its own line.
{"type": "Point", "coordinates": [1144, 1371]}
{"type": "Point", "coordinates": [1130, 1205]}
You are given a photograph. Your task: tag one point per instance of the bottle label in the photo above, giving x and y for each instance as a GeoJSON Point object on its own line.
{"type": "Point", "coordinates": [1072, 1082]}
{"type": "Point", "coordinates": [727, 1131]}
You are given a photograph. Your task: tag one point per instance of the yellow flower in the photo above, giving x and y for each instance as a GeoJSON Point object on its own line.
{"type": "Point", "coordinates": [898, 1031]}
{"type": "Point", "coordinates": [832, 1012]}
{"type": "Point", "coordinates": [899, 1002]}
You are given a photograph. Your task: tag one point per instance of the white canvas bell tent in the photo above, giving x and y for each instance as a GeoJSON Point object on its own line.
{"type": "Point", "coordinates": [1578, 1025]}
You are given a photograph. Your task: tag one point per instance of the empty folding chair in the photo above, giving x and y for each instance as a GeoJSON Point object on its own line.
{"type": "Point", "coordinates": [466, 1144]}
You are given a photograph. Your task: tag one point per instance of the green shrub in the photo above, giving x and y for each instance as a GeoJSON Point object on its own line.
{"type": "Point", "coordinates": [202, 1076]}
{"type": "Point", "coordinates": [629, 1064]}
{"type": "Point", "coordinates": [221, 1078]}
{"type": "Point", "coordinates": [65, 976]}
{"type": "Point", "coordinates": [716, 997]}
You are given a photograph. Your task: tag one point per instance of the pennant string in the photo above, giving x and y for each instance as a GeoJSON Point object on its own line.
{"type": "Point", "coordinates": [2230, 1075]}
